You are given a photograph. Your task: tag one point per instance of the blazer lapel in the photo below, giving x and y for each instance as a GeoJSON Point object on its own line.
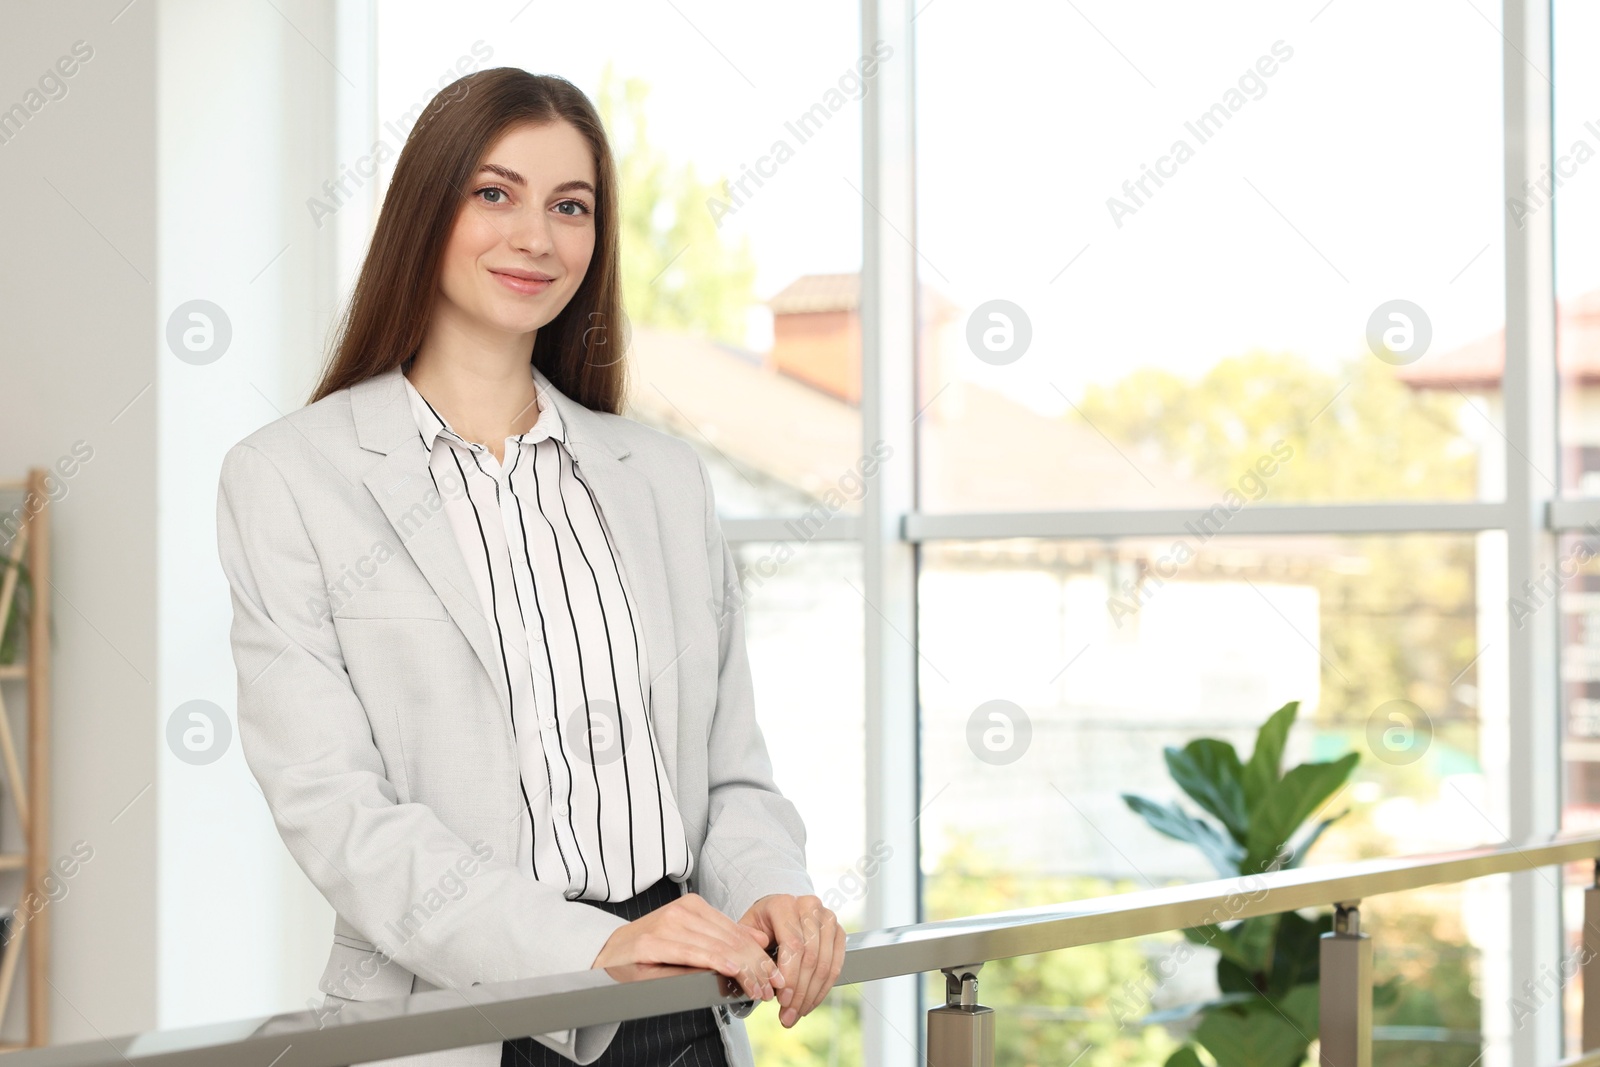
{"type": "Point", "coordinates": [403, 489]}
{"type": "Point", "coordinates": [401, 485]}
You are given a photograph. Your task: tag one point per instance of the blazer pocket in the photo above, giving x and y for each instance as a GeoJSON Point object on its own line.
{"type": "Point", "coordinates": [391, 604]}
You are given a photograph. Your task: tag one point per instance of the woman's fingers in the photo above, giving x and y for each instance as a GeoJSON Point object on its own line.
{"type": "Point", "coordinates": [822, 937]}
{"type": "Point", "coordinates": [688, 932]}
{"type": "Point", "coordinates": [731, 936]}
{"type": "Point", "coordinates": [830, 959]}
{"type": "Point", "coordinates": [820, 957]}
{"type": "Point", "coordinates": [755, 970]}
{"type": "Point", "coordinates": [700, 954]}
{"type": "Point", "coordinates": [787, 937]}
{"type": "Point", "coordinates": [791, 958]}
{"type": "Point", "coordinates": [806, 978]}
{"type": "Point", "coordinates": [707, 957]}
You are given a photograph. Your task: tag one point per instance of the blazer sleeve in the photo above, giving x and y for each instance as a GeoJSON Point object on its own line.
{"type": "Point", "coordinates": [755, 841]}
{"type": "Point", "coordinates": [306, 738]}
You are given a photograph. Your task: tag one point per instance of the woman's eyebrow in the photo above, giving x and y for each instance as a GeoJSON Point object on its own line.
{"type": "Point", "coordinates": [516, 179]}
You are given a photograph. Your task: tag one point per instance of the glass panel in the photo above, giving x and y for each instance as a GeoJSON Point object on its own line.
{"type": "Point", "coordinates": [1579, 598]}
{"type": "Point", "coordinates": [1199, 237]}
{"type": "Point", "coordinates": [1054, 673]}
{"type": "Point", "coordinates": [1567, 990]}
{"type": "Point", "coordinates": [741, 236]}
{"type": "Point", "coordinates": [1575, 585]}
{"type": "Point", "coordinates": [1089, 1007]}
{"type": "Point", "coordinates": [804, 629]}
{"type": "Point", "coordinates": [1577, 182]}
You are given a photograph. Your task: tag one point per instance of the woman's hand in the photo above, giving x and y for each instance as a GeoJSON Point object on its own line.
{"type": "Point", "coordinates": [810, 949]}
{"type": "Point", "coordinates": [688, 932]}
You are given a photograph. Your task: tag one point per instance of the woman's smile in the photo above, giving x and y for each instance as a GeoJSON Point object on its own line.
{"type": "Point", "coordinates": [528, 286]}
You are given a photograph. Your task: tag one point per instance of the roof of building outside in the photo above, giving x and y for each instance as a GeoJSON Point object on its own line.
{"type": "Point", "coordinates": [842, 292]}
{"type": "Point", "coordinates": [1479, 364]}
{"type": "Point", "coordinates": [985, 452]}
{"type": "Point", "coordinates": [818, 292]}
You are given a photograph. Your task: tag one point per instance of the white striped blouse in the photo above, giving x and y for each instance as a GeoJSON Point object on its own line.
{"type": "Point", "coordinates": [599, 816]}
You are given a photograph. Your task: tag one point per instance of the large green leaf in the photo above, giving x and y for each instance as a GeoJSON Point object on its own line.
{"type": "Point", "coordinates": [1266, 762]}
{"type": "Point", "coordinates": [1255, 938]}
{"type": "Point", "coordinates": [1232, 978]}
{"type": "Point", "coordinates": [1247, 944]}
{"type": "Point", "coordinates": [1298, 855]}
{"type": "Point", "coordinates": [1169, 819]}
{"type": "Point", "coordinates": [1303, 1006]}
{"type": "Point", "coordinates": [1297, 951]}
{"type": "Point", "coordinates": [1209, 771]}
{"type": "Point", "coordinates": [1184, 1057]}
{"type": "Point", "coordinates": [1252, 1035]}
{"type": "Point", "coordinates": [1281, 810]}
{"type": "Point", "coordinates": [1210, 935]}
{"type": "Point", "coordinates": [1183, 1012]}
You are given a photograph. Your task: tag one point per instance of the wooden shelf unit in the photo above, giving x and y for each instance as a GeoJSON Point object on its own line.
{"type": "Point", "coordinates": [28, 791]}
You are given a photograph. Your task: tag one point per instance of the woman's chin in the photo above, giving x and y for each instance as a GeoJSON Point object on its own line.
{"type": "Point", "coordinates": [515, 320]}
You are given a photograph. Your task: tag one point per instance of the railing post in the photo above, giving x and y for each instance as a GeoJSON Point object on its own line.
{"type": "Point", "coordinates": [1591, 963]}
{"type": "Point", "coordinates": [961, 1034]}
{"type": "Point", "coordinates": [1346, 991]}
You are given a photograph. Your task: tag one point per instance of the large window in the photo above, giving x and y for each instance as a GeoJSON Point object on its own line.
{"type": "Point", "coordinates": [1229, 277]}
{"type": "Point", "coordinates": [1572, 197]}
{"type": "Point", "coordinates": [1156, 252]}
{"type": "Point", "coordinates": [1048, 689]}
{"type": "Point", "coordinates": [1191, 276]}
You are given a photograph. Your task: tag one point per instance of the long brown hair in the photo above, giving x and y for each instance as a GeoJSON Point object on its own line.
{"type": "Point", "coordinates": [581, 349]}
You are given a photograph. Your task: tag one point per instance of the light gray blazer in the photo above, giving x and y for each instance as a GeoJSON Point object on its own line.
{"type": "Point", "coordinates": [373, 709]}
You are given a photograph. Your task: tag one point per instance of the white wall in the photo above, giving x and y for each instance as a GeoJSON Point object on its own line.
{"type": "Point", "coordinates": [176, 167]}
{"type": "Point", "coordinates": [78, 273]}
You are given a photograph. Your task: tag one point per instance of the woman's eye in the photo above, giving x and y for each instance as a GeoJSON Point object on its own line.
{"type": "Point", "coordinates": [581, 207]}
{"type": "Point", "coordinates": [494, 190]}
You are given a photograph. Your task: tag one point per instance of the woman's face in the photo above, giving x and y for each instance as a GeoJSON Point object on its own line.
{"type": "Point", "coordinates": [522, 241]}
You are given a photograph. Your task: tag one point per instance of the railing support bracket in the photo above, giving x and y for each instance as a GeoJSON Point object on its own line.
{"type": "Point", "coordinates": [961, 1034]}
{"type": "Point", "coordinates": [1346, 991]}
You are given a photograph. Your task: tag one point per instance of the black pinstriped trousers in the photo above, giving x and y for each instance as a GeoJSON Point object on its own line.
{"type": "Point", "coordinates": [679, 1039]}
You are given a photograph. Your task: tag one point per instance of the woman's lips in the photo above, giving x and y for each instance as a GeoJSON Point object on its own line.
{"type": "Point", "coordinates": [525, 286]}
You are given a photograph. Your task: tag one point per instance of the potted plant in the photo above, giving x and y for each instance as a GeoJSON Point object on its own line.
{"type": "Point", "coordinates": [1268, 966]}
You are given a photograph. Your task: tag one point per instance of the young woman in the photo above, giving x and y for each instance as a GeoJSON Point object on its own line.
{"type": "Point", "coordinates": [491, 654]}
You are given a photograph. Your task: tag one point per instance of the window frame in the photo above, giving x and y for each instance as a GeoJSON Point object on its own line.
{"type": "Point", "coordinates": [891, 529]}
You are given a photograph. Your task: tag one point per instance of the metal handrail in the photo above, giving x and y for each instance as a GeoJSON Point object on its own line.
{"type": "Point", "coordinates": [455, 1018]}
